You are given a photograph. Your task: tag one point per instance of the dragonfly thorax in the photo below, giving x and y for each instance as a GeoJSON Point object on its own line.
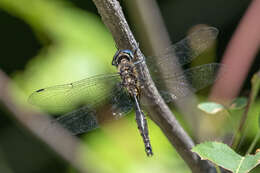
{"type": "Point", "coordinates": [129, 76]}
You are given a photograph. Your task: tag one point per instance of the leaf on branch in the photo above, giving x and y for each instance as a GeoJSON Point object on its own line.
{"type": "Point", "coordinates": [211, 107]}
{"type": "Point", "coordinates": [222, 155]}
{"type": "Point", "coordinates": [238, 103]}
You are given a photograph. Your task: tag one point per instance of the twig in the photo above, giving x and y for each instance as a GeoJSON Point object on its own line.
{"type": "Point", "coordinates": [255, 82]}
{"type": "Point", "coordinates": [113, 17]}
{"type": "Point", "coordinates": [256, 138]}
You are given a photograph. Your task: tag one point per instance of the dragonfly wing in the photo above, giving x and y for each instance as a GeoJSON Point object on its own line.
{"type": "Point", "coordinates": [88, 118]}
{"type": "Point", "coordinates": [184, 51]}
{"type": "Point", "coordinates": [88, 98]}
{"type": "Point", "coordinates": [68, 96]}
{"type": "Point", "coordinates": [189, 81]}
{"type": "Point", "coordinates": [79, 121]}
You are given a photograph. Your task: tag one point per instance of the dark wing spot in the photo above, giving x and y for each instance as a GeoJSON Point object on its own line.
{"type": "Point", "coordinates": [40, 90]}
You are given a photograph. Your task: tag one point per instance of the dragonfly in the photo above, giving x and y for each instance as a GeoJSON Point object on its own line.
{"type": "Point", "coordinates": [102, 98]}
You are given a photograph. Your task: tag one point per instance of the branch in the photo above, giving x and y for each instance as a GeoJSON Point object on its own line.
{"type": "Point", "coordinates": [113, 18]}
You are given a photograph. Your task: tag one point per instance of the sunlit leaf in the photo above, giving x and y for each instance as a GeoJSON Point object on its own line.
{"type": "Point", "coordinates": [211, 107]}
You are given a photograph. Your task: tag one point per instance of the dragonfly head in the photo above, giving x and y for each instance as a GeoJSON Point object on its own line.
{"type": "Point", "coordinates": [122, 54]}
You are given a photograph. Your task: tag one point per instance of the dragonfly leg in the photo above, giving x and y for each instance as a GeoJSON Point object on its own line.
{"type": "Point", "coordinates": [139, 61]}
{"type": "Point", "coordinates": [135, 51]}
{"type": "Point", "coordinates": [135, 55]}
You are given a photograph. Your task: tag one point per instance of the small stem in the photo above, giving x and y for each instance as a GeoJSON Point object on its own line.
{"type": "Point", "coordinates": [217, 169]}
{"type": "Point", "coordinates": [253, 143]}
{"type": "Point", "coordinates": [255, 81]}
{"type": "Point", "coordinates": [235, 140]}
{"type": "Point", "coordinates": [232, 142]}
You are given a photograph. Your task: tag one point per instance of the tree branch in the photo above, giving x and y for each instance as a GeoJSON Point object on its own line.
{"type": "Point", "coordinates": [113, 18]}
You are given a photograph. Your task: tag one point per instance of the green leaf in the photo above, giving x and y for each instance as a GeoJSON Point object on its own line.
{"type": "Point", "coordinates": [211, 107]}
{"type": "Point", "coordinates": [238, 103]}
{"type": "Point", "coordinates": [222, 155]}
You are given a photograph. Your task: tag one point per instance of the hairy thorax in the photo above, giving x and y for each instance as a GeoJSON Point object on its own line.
{"type": "Point", "coordinates": [129, 76]}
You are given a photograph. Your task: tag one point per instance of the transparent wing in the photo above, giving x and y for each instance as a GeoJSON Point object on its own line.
{"type": "Point", "coordinates": [79, 121]}
{"type": "Point", "coordinates": [187, 82]}
{"type": "Point", "coordinates": [190, 47]}
{"type": "Point", "coordinates": [84, 92]}
{"type": "Point", "coordinates": [88, 118]}
{"type": "Point", "coordinates": [184, 51]}
{"type": "Point", "coordinates": [100, 98]}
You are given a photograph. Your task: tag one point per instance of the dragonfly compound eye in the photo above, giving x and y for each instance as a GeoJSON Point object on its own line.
{"type": "Point", "coordinates": [122, 54]}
